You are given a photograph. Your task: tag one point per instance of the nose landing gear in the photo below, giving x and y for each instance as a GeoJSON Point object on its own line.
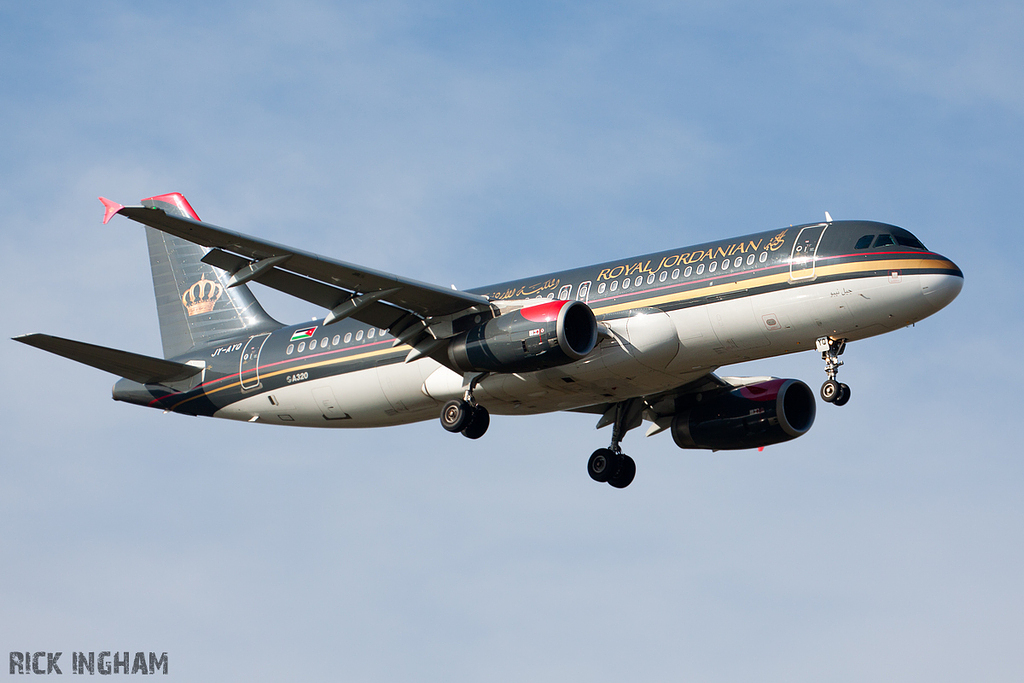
{"type": "Point", "coordinates": [832, 391]}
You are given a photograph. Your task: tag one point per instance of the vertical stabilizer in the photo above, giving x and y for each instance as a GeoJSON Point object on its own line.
{"type": "Point", "coordinates": [193, 302]}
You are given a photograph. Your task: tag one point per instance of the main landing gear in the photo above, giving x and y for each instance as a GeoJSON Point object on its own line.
{"type": "Point", "coordinates": [466, 415]}
{"type": "Point", "coordinates": [610, 464]}
{"type": "Point", "coordinates": [832, 391]}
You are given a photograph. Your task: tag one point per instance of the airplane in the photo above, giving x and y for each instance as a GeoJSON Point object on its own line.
{"type": "Point", "coordinates": [629, 340]}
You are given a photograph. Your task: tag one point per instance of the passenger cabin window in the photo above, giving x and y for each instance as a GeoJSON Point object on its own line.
{"type": "Point", "coordinates": [302, 347]}
{"type": "Point", "coordinates": [613, 286]}
{"type": "Point", "coordinates": [359, 335]}
{"type": "Point", "coordinates": [290, 350]}
{"type": "Point", "coordinates": [713, 267]}
{"type": "Point", "coordinates": [700, 269]}
{"type": "Point", "coordinates": [639, 280]}
{"type": "Point", "coordinates": [864, 242]}
{"type": "Point", "coordinates": [600, 288]}
{"type": "Point", "coordinates": [884, 240]}
{"type": "Point", "coordinates": [750, 260]}
{"type": "Point", "coordinates": [336, 340]}
{"type": "Point", "coordinates": [369, 335]}
{"type": "Point", "coordinates": [348, 337]}
{"type": "Point", "coordinates": [312, 344]}
{"type": "Point", "coordinates": [664, 275]}
{"type": "Point", "coordinates": [686, 273]}
{"type": "Point", "coordinates": [763, 257]}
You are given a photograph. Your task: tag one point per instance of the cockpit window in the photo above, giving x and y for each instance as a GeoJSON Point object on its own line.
{"type": "Point", "coordinates": [909, 242]}
{"type": "Point", "coordinates": [905, 239]}
{"type": "Point", "coordinates": [898, 236]}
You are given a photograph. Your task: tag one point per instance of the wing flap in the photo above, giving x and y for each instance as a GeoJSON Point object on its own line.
{"type": "Point", "coordinates": [315, 292]}
{"type": "Point", "coordinates": [133, 366]}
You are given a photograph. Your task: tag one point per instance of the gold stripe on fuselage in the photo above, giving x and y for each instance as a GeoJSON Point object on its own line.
{"type": "Point", "coordinates": [777, 278]}
{"type": "Point", "coordinates": [297, 368]}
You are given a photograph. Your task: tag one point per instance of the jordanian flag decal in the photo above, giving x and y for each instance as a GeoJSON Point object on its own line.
{"type": "Point", "coordinates": [303, 334]}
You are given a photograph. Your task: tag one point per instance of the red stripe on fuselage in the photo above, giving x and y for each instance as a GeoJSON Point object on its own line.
{"type": "Point", "coordinates": [236, 376]}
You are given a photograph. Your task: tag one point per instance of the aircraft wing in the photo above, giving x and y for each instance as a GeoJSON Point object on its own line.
{"type": "Point", "coordinates": [402, 305]}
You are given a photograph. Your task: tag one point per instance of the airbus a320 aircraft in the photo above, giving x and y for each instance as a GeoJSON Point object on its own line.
{"type": "Point", "coordinates": [630, 340]}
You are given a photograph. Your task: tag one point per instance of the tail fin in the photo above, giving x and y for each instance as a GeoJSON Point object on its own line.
{"type": "Point", "coordinates": [193, 302]}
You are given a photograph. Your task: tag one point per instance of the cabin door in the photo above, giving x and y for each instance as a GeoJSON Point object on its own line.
{"type": "Point", "coordinates": [801, 261]}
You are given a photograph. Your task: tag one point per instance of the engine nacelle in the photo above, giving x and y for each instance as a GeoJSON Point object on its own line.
{"type": "Point", "coordinates": [747, 417]}
{"type": "Point", "coordinates": [532, 338]}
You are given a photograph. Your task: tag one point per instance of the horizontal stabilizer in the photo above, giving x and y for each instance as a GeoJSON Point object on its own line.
{"type": "Point", "coordinates": [133, 366]}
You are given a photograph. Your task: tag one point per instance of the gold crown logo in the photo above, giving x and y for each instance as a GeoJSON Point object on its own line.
{"type": "Point", "coordinates": [200, 297]}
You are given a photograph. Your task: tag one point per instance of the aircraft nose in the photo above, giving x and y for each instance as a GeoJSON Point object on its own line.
{"type": "Point", "coordinates": [941, 288]}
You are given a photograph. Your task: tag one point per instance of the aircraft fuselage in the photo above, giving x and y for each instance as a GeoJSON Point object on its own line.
{"type": "Point", "coordinates": [671, 317]}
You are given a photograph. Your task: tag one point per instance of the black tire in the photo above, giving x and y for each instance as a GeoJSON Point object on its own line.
{"type": "Point", "coordinates": [830, 391]}
{"type": "Point", "coordinates": [844, 395]}
{"type": "Point", "coordinates": [602, 464]}
{"type": "Point", "coordinates": [478, 423]}
{"type": "Point", "coordinates": [624, 477]}
{"type": "Point", "coordinates": [455, 415]}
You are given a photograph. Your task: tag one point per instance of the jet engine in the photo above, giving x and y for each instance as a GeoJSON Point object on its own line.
{"type": "Point", "coordinates": [750, 416]}
{"type": "Point", "coordinates": [531, 338]}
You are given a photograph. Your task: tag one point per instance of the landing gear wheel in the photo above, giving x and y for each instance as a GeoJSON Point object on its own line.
{"type": "Point", "coordinates": [830, 391]}
{"type": "Point", "coordinates": [455, 415]}
{"type": "Point", "coordinates": [479, 420]}
{"type": "Point", "coordinates": [610, 464]}
{"type": "Point", "coordinates": [624, 477]}
{"type": "Point", "coordinates": [602, 464]}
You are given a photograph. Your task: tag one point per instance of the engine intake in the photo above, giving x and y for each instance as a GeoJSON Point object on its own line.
{"type": "Point", "coordinates": [533, 338]}
{"type": "Point", "coordinates": [747, 417]}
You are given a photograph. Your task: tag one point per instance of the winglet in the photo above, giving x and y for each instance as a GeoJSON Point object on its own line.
{"type": "Point", "coordinates": [177, 200]}
{"type": "Point", "coordinates": [110, 208]}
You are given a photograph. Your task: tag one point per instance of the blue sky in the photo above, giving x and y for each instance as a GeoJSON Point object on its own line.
{"type": "Point", "coordinates": [468, 144]}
